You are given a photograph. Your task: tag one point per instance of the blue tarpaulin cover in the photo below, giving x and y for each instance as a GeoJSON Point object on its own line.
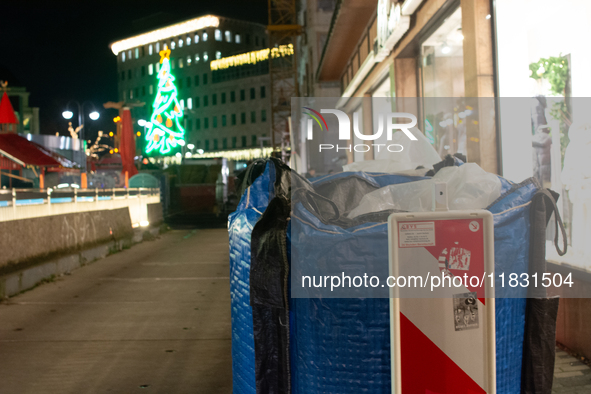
{"type": "Point", "coordinates": [249, 210]}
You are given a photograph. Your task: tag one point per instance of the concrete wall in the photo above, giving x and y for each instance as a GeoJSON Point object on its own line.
{"type": "Point", "coordinates": [26, 242]}
{"type": "Point", "coordinates": [573, 325]}
{"type": "Point", "coordinates": [136, 205]}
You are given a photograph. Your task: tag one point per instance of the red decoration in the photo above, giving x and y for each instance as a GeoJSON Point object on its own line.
{"type": "Point", "coordinates": [127, 144]}
{"type": "Point", "coordinates": [6, 111]}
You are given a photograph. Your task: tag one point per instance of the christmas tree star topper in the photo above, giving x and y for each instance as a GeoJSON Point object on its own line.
{"type": "Point", "coordinates": [164, 54]}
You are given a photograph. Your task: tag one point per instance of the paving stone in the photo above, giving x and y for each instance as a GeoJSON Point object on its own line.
{"type": "Point", "coordinates": [568, 374]}
{"type": "Point", "coordinates": [582, 367]}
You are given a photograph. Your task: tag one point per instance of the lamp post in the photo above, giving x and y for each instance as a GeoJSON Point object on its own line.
{"type": "Point", "coordinates": [93, 115]}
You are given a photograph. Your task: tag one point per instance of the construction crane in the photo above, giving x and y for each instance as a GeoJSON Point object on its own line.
{"type": "Point", "coordinates": [282, 30]}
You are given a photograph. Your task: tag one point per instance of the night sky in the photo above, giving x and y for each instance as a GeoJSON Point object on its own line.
{"type": "Point", "coordinates": [59, 50]}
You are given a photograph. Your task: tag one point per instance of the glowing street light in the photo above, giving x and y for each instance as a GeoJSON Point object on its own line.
{"type": "Point", "coordinates": [68, 114]}
{"type": "Point", "coordinates": [141, 122]}
{"type": "Point", "coordinates": [191, 146]}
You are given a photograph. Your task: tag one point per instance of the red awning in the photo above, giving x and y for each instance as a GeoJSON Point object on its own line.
{"type": "Point", "coordinates": [25, 152]}
{"type": "Point", "coordinates": [6, 111]}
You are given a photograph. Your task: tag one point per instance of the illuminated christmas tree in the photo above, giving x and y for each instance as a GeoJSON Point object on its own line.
{"type": "Point", "coordinates": [165, 133]}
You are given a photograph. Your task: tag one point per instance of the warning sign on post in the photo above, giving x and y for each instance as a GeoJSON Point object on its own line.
{"type": "Point", "coordinates": [416, 234]}
{"type": "Point", "coordinates": [452, 325]}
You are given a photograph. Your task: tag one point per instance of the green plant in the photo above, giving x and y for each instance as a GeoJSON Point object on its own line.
{"type": "Point", "coordinates": [554, 70]}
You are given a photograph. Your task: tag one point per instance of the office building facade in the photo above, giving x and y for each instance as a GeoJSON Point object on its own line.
{"type": "Point", "coordinates": [224, 109]}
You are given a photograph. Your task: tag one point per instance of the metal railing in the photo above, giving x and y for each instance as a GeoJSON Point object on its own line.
{"type": "Point", "coordinates": [19, 197]}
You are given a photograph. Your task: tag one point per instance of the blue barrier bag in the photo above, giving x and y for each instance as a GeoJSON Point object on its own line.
{"type": "Point", "coordinates": [342, 345]}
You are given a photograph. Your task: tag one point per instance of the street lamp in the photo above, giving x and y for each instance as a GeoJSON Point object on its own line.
{"type": "Point", "coordinates": [93, 115]}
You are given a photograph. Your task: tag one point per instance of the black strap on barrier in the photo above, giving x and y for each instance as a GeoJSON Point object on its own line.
{"type": "Point", "coordinates": [541, 312]}
{"type": "Point", "coordinates": [269, 287]}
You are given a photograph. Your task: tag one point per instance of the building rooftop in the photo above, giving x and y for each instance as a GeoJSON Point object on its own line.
{"type": "Point", "coordinates": [169, 31]}
{"type": "Point", "coordinates": [25, 152]}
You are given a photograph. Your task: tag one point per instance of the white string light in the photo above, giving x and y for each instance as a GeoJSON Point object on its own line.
{"type": "Point", "coordinates": [166, 32]}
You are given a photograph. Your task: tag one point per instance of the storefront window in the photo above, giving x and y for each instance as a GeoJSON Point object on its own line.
{"type": "Point", "coordinates": [442, 76]}
{"type": "Point", "coordinates": [381, 103]}
{"type": "Point", "coordinates": [544, 79]}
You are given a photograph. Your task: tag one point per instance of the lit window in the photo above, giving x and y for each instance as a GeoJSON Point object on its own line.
{"type": "Point", "coordinates": [228, 36]}
{"type": "Point", "coordinates": [122, 56]}
{"type": "Point", "coordinates": [205, 57]}
{"type": "Point", "coordinates": [151, 89]}
{"type": "Point", "coordinates": [204, 36]}
{"type": "Point", "coordinates": [218, 35]}
{"type": "Point", "coordinates": [197, 58]}
{"type": "Point", "coordinates": [150, 49]}
{"type": "Point", "coordinates": [188, 40]}
{"type": "Point", "coordinates": [237, 38]}
{"type": "Point", "coordinates": [189, 60]}
{"type": "Point", "coordinates": [172, 65]}
{"type": "Point", "coordinates": [172, 44]}
{"type": "Point", "coordinates": [196, 38]}
{"type": "Point", "coordinates": [157, 67]}
{"type": "Point", "coordinates": [131, 94]}
{"type": "Point", "coordinates": [137, 53]}
{"type": "Point", "coordinates": [190, 103]}
{"type": "Point", "coordinates": [181, 63]}
{"type": "Point", "coordinates": [150, 69]}
{"type": "Point", "coordinates": [157, 47]}
{"type": "Point", "coordinates": [129, 54]}
{"type": "Point", "coordinates": [181, 42]}
{"type": "Point", "coordinates": [182, 104]}
{"type": "Point", "coordinates": [218, 55]}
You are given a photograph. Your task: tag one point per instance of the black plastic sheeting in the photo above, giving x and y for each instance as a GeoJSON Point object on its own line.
{"type": "Point", "coordinates": [269, 289]}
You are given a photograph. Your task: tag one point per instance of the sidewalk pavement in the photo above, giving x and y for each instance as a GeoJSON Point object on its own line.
{"type": "Point", "coordinates": [570, 375]}
{"type": "Point", "coordinates": [152, 319]}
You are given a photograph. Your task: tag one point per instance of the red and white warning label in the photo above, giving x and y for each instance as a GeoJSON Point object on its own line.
{"type": "Point", "coordinates": [416, 234]}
